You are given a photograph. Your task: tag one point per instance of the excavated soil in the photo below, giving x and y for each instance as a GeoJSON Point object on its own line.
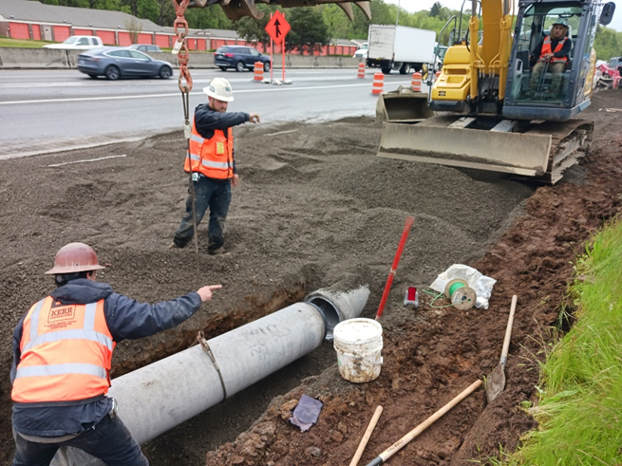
{"type": "Point", "coordinates": [315, 208]}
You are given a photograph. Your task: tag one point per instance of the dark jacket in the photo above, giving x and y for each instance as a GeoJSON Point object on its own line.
{"type": "Point", "coordinates": [564, 52]}
{"type": "Point", "coordinates": [126, 319]}
{"type": "Point", "coordinates": [207, 120]}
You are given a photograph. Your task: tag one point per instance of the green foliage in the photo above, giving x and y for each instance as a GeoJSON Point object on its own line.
{"type": "Point", "coordinates": [607, 43]}
{"type": "Point", "coordinates": [324, 22]}
{"type": "Point", "coordinates": [22, 43]}
{"type": "Point", "coordinates": [581, 399]}
{"type": "Point", "coordinates": [208, 18]}
{"type": "Point", "coordinates": [254, 30]}
{"type": "Point", "coordinates": [307, 28]}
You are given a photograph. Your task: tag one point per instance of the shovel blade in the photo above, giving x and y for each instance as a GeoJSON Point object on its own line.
{"type": "Point", "coordinates": [495, 383]}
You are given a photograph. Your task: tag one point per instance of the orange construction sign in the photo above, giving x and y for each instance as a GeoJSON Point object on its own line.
{"type": "Point", "coordinates": [277, 27]}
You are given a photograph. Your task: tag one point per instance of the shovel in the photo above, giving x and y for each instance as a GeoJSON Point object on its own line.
{"type": "Point", "coordinates": [496, 382]}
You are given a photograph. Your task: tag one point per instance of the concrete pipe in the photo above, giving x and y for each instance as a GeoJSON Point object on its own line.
{"type": "Point", "coordinates": [162, 395]}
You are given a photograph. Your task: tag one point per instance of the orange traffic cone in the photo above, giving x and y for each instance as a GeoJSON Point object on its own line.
{"type": "Point", "coordinates": [416, 82]}
{"type": "Point", "coordinates": [378, 83]}
{"type": "Point", "coordinates": [258, 71]}
{"type": "Point", "coordinates": [361, 73]}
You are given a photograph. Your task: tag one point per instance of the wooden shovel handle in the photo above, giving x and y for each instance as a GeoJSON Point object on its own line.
{"type": "Point", "coordinates": [366, 436]}
{"type": "Point", "coordinates": [508, 332]}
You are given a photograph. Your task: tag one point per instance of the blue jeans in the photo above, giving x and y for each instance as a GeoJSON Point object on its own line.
{"type": "Point", "coordinates": [207, 193]}
{"type": "Point", "coordinates": [109, 440]}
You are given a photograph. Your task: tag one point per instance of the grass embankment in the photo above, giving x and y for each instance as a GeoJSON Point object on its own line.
{"type": "Point", "coordinates": [580, 409]}
{"type": "Point", "coordinates": [22, 43]}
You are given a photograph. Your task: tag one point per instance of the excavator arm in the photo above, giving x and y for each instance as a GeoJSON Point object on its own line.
{"type": "Point", "coordinates": [236, 9]}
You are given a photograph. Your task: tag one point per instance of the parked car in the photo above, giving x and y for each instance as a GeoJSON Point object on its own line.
{"type": "Point", "coordinates": [115, 63]}
{"type": "Point", "coordinates": [239, 57]}
{"type": "Point", "coordinates": [145, 47]}
{"type": "Point", "coordinates": [77, 43]}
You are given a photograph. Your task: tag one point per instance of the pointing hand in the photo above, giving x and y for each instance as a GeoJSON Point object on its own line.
{"type": "Point", "coordinates": [254, 118]}
{"type": "Point", "coordinates": [206, 292]}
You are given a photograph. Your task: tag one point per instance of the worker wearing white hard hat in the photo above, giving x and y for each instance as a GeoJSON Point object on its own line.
{"type": "Point", "coordinates": [211, 164]}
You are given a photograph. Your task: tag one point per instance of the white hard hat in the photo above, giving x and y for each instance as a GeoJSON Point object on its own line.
{"type": "Point", "coordinates": [219, 89]}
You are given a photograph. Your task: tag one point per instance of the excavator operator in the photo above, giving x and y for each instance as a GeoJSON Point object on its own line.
{"type": "Point", "coordinates": [551, 55]}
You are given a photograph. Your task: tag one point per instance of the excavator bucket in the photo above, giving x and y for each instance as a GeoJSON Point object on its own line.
{"type": "Point", "coordinates": [403, 104]}
{"type": "Point", "coordinates": [237, 9]}
{"type": "Point", "coordinates": [542, 151]}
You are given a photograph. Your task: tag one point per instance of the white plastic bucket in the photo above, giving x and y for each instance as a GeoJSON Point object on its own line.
{"type": "Point", "coordinates": [358, 343]}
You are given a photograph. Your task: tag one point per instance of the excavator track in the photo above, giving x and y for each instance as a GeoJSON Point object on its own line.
{"type": "Point", "coordinates": [540, 150]}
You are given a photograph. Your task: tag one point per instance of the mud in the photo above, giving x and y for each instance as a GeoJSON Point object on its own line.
{"type": "Point", "coordinates": [316, 208]}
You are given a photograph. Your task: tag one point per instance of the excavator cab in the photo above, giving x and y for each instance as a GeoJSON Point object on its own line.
{"type": "Point", "coordinates": [548, 90]}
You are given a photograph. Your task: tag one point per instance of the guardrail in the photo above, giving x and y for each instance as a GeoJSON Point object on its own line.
{"type": "Point", "coordinates": [20, 58]}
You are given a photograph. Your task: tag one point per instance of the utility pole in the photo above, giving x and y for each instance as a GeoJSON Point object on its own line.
{"type": "Point", "coordinates": [397, 16]}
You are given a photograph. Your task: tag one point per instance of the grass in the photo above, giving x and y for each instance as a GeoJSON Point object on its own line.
{"type": "Point", "coordinates": [22, 43]}
{"type": "Point", "coordinates": [580, 407]}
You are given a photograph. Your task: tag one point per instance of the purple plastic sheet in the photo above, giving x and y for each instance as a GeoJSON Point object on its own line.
{"type": "Point", "coordinates": [306, 413]}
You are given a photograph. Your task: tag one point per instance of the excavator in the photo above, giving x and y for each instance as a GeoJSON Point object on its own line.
{"type": "Point", "coordinates": [486, 111]}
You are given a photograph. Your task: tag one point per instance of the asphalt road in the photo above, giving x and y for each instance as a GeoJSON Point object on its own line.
{"type": "Point", "coordinates": [52, 110]}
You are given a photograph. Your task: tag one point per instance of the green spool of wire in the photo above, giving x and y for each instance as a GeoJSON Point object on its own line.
{"type": "Point", "coordinates": [462, 297]}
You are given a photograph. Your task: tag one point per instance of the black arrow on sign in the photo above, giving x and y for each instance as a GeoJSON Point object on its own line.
{"type": "Point", "coordinates": [276, 25]}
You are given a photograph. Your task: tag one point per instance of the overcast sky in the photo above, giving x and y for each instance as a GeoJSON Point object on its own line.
{"type": "Point", "coordinates": [416, 5]}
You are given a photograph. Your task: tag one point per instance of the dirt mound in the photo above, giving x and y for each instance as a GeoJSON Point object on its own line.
{"type": "Point", "coordinates": [316, 208]}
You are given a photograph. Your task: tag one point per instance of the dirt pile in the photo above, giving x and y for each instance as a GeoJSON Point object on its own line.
{"type": "Point", "coordinates": [316, 208]}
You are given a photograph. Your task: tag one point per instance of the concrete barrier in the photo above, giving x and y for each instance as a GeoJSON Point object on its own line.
{"type": "Point", "coordinates": [19, 58]}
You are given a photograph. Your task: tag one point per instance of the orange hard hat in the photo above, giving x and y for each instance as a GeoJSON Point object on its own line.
{"type": "Point", "coordinates": [75, 257]}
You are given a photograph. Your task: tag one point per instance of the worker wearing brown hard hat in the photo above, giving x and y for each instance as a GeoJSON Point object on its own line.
{"type": "Point", "coordinates": [62, 352]}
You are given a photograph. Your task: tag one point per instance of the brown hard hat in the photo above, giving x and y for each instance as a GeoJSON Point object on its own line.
{"type": "Point", "coordinates": [75, 257]}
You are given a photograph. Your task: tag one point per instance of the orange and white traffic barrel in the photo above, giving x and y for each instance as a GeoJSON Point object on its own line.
{"type": "Point", "coordinates": [416, 82]}
{"type": "Point", "coordinates": [258, 71]}
{"type": "Point", "coordinates": [361, 73]}
{"type": "Point", "coordinates": [378, 83]}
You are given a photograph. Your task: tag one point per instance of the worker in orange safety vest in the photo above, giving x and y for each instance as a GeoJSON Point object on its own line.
{"type": "Point", "coordinates": [211, 165]}
{"type": "Point", "coordinates": [62, 352]}
{"type": "Point", "coordinates": [551, 55]}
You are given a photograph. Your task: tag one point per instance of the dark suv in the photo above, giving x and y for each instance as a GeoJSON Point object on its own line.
{"type": "Point", "coordinates": [239, 57]}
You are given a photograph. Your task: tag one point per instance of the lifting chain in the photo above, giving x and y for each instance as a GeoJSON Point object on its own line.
{"type": "Point", "coordinates": [181, 50]}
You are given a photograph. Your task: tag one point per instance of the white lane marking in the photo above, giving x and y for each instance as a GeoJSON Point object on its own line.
{"type": "Point", "coordinates": [87, 160]}
{"type": "Point", "coordinates": [151, 96]}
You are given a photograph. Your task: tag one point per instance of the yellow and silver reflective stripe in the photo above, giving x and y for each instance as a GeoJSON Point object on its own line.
{"type": "Point", "coordinates": [87, 333]}
{"type": "Point", "coordinates": [216, 165]}
{"type": "Point", "coordinates": [195, 138]}
{"type": "Point", "coordinates": [61, 369]}
{"type": "Point", "coordinates": [79, 334]}
{"type": "Point", "coordinates": [34, 320]}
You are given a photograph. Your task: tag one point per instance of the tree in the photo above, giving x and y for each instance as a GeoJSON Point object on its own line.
{"type": "Point", "coordinates": [135, 27]}
{"type": "Point", "coordinates": [209, 17]}
{"type": "Point", "coordinates": [307, 29]}
{"type": "Point", "coordinates": [607, 43]}
{"type": "Point", "coordinates": [338, 23]}
{"type": "Point", "coordinates": [254, 30]}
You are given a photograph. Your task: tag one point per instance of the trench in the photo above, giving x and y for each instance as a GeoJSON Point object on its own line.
{"type": "Point", "coordinates": [188, 442]}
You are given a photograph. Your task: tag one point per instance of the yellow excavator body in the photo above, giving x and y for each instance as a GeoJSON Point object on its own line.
{"type": "Point", "coordinates": [490, 109]}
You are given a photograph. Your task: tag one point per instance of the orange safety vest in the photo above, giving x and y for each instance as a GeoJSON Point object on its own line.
{"type": "Point", "coordinates": [66, 353]}
{"type": "Point", "coordinates": [546, 48]}
{"type": "Point", "coordinates": [212, 157]}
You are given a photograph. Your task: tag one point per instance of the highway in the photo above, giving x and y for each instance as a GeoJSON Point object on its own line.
{"type": "Point", "coordinates": [52, 110]}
